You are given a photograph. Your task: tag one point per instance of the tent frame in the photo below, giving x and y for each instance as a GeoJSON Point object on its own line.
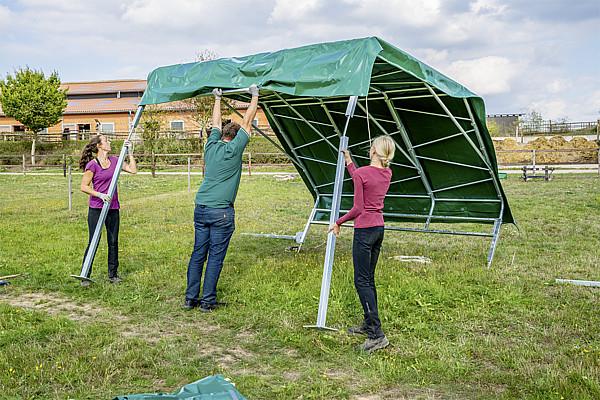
{"type": "Point", "coordinates": [273, 101]}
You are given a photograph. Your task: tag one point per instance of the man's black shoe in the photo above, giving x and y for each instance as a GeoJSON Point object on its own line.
{"type": "Point", "coordinates": [190, 304]}
{"type": "Point", "coordinates": [207, 307]}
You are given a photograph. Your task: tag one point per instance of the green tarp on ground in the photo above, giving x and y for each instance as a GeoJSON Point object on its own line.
{"type": "Point", "coordinates": [210, 388]}
{"type": "Point", "coordinates": [445, 166]}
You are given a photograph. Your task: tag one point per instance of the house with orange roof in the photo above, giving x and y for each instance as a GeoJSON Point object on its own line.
{"type": "Point", "coordinates": [108, 107]}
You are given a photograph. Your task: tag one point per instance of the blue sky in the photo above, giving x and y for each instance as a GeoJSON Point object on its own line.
{"type": "Point", "coordinates": [518, 55]}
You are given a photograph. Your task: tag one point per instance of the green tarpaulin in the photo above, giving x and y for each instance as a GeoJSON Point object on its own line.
{"type": "Point", "coordinates": [445, 166]}
{"type": "Point", "coordinates": [210, 388]}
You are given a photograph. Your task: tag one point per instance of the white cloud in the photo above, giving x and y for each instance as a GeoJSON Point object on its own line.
{"type": "Point", "coordinates": [5, 16]}
{"type": "Point", "coordinates": [557, 86]}
{"type": "Point", "coordinates": [432, 57]}
{"type": "Point", "coordinates": [486, 75]}
{"type": "Point", "coordinates": [551, 108]}
{"type": "Point", "coordinates": [489, 7]}
{"type": "Point", "coordinates": [293, 10]}
{"type": "Point", "coordinates": [175, 14]}
{"type": "Point", "coordinates": [499, 48]}
{"type": "Point", "coordinates": [400, 12]}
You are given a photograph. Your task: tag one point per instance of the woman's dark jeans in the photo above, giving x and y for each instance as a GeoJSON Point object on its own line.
{"type": "Point", "coordinates": [112, 237]}
{"type": "Point", "coordinates": [365, 252]}
{"type": "Point", "coordinates": [213, 229]}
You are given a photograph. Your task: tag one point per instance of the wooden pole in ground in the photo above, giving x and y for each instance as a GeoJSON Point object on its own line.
{"type": "Point", "coordinates": [189, 174]}
{"type": "Point", "coordinates": [249, 164]}
{"type": "Point", "coordinates": [70, 188]}
{"type": "Point", "coordinates": [23, 164]}
{"type": "Point", "coordinates": [153, 165]}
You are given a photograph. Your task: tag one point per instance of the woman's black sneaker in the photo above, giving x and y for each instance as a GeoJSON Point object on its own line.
{"type": "Point", "coordinates": [370, 345]}
{"type": "Point", "coordinates": [358, 330]}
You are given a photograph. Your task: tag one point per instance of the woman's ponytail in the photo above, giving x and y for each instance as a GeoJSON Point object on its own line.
{"type": "Point", "coordinates": [89, 150]}
{"type": "Point", "coordinates": [384, 149]}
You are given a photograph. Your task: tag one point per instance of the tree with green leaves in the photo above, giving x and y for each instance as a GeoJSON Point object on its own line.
{"type": "Point", "coordinates": [34, 100]}
{"type": "Point", "coordinates": [151, 125]}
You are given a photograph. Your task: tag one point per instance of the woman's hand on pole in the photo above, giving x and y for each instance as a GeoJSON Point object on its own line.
{"type": "Point", "coordinates": [104, 196]}
{"type": "Point", "coordinates": [347, 157]}
{"type": "Point", "coordinates": [335, 228]}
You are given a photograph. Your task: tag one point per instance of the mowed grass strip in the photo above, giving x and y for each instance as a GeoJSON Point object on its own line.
{"type": "Point", "coordinates": [458, 330]}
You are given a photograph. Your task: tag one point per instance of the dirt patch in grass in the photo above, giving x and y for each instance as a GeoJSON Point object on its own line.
{"type": "Point", "coordinates": [57, 305]}
{"type": "Point", "coordinates": [53, 305]}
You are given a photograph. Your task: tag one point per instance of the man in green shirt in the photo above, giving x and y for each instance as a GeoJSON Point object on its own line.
{"type": "Point", "coordinates": [214, 216]}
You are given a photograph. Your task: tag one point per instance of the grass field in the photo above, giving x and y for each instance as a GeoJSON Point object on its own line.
{"type": "Point", "coordinates": [458, 330]}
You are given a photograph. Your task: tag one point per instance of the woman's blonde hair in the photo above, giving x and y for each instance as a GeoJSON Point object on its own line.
{"type": "Point", "coordinates": [384, 149]}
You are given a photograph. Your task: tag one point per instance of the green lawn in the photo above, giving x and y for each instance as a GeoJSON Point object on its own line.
{"type": "Point", "coordinates": [458, 330]}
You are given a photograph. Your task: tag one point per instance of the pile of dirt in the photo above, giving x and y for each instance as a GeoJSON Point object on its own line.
{"type": "Point", "coordinates": [579, 150]}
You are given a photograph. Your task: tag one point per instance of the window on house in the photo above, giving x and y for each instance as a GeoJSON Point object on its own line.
{"type": "Point", "coordinates": [107, 127]}
{"type": "Point", "coordinates": [176, 125]}
{"type": "Point", "coordinates": [5, 128]}
{"type": "Point", "coordinates": [255, 121]}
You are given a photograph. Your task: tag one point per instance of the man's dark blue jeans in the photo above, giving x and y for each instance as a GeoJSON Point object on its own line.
{"type": "Point", "coordinates": [365, 253]}
{"type": "Point", "coordinates": [213, 228]}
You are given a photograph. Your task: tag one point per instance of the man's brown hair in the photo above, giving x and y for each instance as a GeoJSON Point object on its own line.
{"type": "Point", "coordinates": [230, 130]}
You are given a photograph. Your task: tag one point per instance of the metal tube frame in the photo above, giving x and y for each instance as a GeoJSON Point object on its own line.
{"type": "Point", "coordinates": [93, 245]}
{"type": "Point", "coordinates": [334, 214]}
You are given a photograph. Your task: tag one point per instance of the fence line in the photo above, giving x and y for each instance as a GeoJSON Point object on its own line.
{"type": "Point", "coordinates": [158, 161]}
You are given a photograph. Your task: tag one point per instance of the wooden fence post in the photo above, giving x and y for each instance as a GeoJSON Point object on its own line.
{"type": "Point", "coordinates": [23, 164]}
{"type": "Point", "coordinates": [153, 164]}
{"type": "Point", "coordinates": [249, 164]}
{"type": "Point", "coordinates": [70, 188]}
{"type": "Point", "coordinates": [189, 171]}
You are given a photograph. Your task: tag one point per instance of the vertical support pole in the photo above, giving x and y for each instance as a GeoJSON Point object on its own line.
{"type": "Point", "coordinates": [311, 217]}
{"type": "Point", "coordinates": [70, 187]}
{"type": "Point", "coordinates": [333, 216]}
{"type": "Point", "coordinates": [93, 246]}
{"type": "Point", "coordinates": [533, 160]}
{"type": "Point", "coordinates": [496, 235]}
{"type": "Point", "coordinates": [23, 164]}
{"type": "Point", "coordinates": [64, 165]}
{"type": "Point", "coordinates": [189, 173]}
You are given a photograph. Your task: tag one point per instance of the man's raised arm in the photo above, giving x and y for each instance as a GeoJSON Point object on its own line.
{"type": "Point", "coordinates": [216, 115]}
{"type": "Point", "coordinates": [251, 111]}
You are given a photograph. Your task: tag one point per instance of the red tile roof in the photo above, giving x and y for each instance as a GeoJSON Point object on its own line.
{"type": "Point", "coordinates": [116, 105]}
{"type": "Point", "coordinates": [125, 85]}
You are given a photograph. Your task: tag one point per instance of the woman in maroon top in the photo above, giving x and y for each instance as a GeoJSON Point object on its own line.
{"type": "Point", "coordinates": [98, 169]}
{"type": "Point", "coordinates": [371, 184]}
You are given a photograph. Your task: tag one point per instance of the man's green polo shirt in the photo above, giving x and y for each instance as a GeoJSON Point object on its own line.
{"type": "Point", "coordinates": [223, 169]}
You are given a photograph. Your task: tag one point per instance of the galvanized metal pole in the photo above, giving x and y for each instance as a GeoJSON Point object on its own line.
{"type": "Point", "coordinates": [89, 258]}
{"type": "Point", "coordinates": [333, 216]}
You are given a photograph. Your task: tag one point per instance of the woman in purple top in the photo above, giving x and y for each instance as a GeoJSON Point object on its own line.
{"type": "Point", "coordinates": [371, 184]}
{"type": "Point", "coordinates": [98, 169]}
